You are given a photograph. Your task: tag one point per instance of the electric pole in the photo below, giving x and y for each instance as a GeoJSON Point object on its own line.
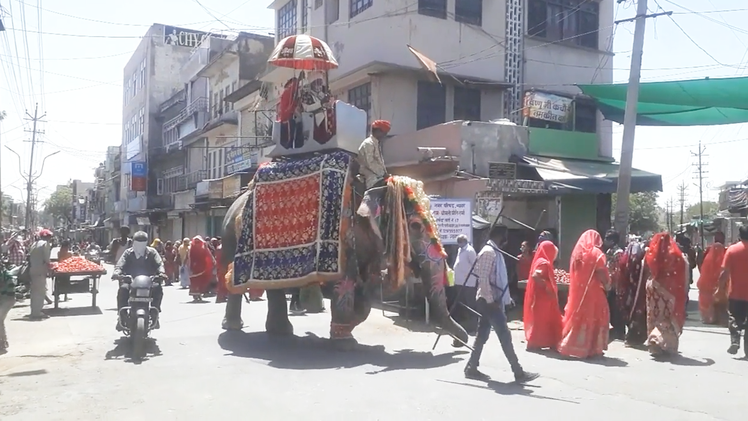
{"type": "Point", "coordinates": [682, 199]}
{"type": "Point", "coordinates": [2, 117]}
{"type": "Point", "coordinates": [30, 180]}
{"type": "Point", "coordinates": [700, 168]}
{"type": "Point", "coordinates": [621, 221]}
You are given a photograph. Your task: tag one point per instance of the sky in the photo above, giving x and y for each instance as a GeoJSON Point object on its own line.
{"type": "Point", "coordinates": [68, 57]}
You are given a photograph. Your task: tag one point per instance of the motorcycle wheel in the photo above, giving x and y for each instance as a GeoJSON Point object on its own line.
{"type": "Point", "coordinates": [138, 339]}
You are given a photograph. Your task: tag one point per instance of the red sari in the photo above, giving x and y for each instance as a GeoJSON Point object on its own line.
{"type": "Point", "coordinates": [587, 316]}
{"type": "Point", "coordinates": [542, 316]}
{"type": "Point", "coordinates": [202, 264]}
{"type": "Point", "coordinates": [666, 294]}
{"type": "Point", "coordinates": [713, 309]}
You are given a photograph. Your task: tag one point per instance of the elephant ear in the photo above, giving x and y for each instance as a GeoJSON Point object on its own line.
{"type": "Point", "coordinates": [370, 208]}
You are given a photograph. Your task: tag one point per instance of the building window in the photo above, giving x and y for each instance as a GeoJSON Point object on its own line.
{"type": "Point", "coordinates": [467, 104]}
{"type": "Point", "coordinates": [358, 6]}
{"type": "Point", "coordinates": [317, 4]}
{"type": "Point", "coordinates": [287, 19]}
{"type": "Point", "coordinates": [576, 21]}
{"type": "Point", "coordinates": [469, 11]}
{"type": "Point", "coordinates": [585, 116]}
{"type": "Point", "coordinates": [431, 107]}
{"type": "Point", "coordinates": [216, 104]}
{"type": "Point", "coordinates": [304, 15]}
{"type": "Point", "coordinates": [142, 120]}
{"type": "Point", "coordinates": [435, 8]}
{"type": "Point", "coordinates": [333, 11]}
{"type": "Point", "coordinates": [360, 97]}
{"type": "Point", "coordinates": [215, 163]}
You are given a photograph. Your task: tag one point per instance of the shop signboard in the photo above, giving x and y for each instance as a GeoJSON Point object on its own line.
{"type": "Point", "coordinates": [231, 186]}
{"type": "Point", "coordinates": [240, 158]}
{"type": "Point", "coordinates": [453, 217]}
{"type": "Point", "coordinates": [138, 175]}
{"type": "Point", "coordinates": [215, 189]}
{"type": "Point", "coordinates": [186, 37]}
{"type": "Point", "coordinates": [202, 189]}
{"type": "Point", "coordinates": [502, 170]}
{"type": "Point", "coordinates": [488, 205]}
{"type": "Point", "coordinates": [547, 107]}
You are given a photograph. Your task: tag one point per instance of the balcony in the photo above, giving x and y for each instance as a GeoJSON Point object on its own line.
{"type": "Point", "coordinates": [190, 180]}
{"type": "Point", "coordinates": [171, 127]}
{"type": "Point", "coordinates": [164, 201]}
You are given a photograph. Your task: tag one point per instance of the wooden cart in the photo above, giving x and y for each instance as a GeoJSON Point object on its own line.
{"type": "Point", "coordinates": [563, 292]}
{"type": "Point", "coordinates": [87, 282]}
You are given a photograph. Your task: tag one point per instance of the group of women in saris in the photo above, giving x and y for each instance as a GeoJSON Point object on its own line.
{"type": "Point", "coordinates": [650, 296]}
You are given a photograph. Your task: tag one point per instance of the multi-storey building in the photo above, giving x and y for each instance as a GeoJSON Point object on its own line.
{"type": "Point", "coordinates": [150, 78]}
{"type": "Point", "coordinates": [200, 133]}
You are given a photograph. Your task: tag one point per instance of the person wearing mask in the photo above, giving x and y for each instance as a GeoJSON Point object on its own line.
{"type": "Point", "coordinates": [492, 297]}
{"type": "Point", "coordinates": [39, 259]}
{"type": "Point", "coordinates": [735, 270]}
{"type": "Point", "coordinates": [118, 246]}
{"type": "Point", "coordinates": [465, 284]}
{"type": "Point", "coordinates": [136, 261]}
{"type": "Point", "coordinates": [370, 157]}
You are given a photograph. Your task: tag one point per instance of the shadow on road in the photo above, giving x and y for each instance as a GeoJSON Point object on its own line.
{"type": "Point", "coordinates": [73, 311]}
{"type": "Point", "coordinates": [311, 352]}
{"type": "Point", "coordinates": [508, 389]}
{"type": "Point", "coordinates": [26, 373]}
{"type": "Point", "coordinates": [684, 361]}
{"type": "Point", "coordinates": [123, 350]}
{"type": "Point", "coordinates": [604, 360]}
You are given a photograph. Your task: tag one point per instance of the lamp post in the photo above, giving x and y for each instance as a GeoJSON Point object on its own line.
{"type": "Point", "coordinates": [30, 180]}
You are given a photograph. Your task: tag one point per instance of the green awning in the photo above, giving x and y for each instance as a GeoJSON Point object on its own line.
{"type": "Point", "coordinates": [702, 102]}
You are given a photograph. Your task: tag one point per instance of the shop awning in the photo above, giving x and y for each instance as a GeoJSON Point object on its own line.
{"type": "Point", "coordinates": [700, 102]}
{"type": "Point", "coordinates": [578, 176]}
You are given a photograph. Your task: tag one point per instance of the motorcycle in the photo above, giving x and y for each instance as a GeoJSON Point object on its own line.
{"type": "Point", "coordinates": [139, 318]}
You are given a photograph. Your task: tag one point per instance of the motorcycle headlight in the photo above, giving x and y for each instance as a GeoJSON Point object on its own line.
{"type": "Point", "coordinates": [142, 293]}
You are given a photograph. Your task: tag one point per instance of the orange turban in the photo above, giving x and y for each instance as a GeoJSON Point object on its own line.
{"type": "Point", "coordinates": [382, 125]}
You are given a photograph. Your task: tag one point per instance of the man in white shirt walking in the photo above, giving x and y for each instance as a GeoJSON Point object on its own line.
{"type": "Point", "coordinates": [465, 285]}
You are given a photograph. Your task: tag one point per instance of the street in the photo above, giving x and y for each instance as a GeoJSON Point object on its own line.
{"type": "Point", "coordinates": [71, 367]}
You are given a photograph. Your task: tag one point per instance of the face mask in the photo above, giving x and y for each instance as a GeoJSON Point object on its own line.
{"type": "Point", "coordinates": [138, 247]}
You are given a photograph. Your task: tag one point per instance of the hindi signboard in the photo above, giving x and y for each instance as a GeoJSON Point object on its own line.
{"type": "Point", "coordinates": [548, 107]}
{"type": "Point", "coordinates": [502, 170]}
{"type": "Point", "coordinates": [453, 217]}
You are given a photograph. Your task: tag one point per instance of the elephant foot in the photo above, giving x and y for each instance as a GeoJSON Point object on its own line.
{"type": "Point", "coordinates": [344, 345]}
{"type": "Point", "coordinates": [279, 328]}
{"type": "Point", "coordinates": [232, 324]}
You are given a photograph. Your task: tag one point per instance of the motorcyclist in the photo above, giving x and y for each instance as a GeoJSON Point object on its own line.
{"type": "Point", "coordinates": [136, 261]}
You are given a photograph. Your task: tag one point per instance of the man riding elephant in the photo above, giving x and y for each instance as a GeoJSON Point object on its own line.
{"type": "Point", "coordinates": [355, 274]}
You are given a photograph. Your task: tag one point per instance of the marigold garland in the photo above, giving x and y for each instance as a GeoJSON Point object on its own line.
{"type": "Point", "coordinates": [427, 218]}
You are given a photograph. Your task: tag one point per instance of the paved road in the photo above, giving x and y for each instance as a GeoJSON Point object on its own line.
{"type": "Point", "coordinates": [70, 368]}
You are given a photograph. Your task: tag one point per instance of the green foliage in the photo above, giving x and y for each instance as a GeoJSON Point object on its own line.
{"type": "Point", "coordinates": [694, 211]}
{"type": "Point", "coordinates": [644, 214]}
{"type": "Point", "coordinates": [60, 204]}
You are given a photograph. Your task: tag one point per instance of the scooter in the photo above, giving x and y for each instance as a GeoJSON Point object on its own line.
{"type": "Point", "coordinates": [139, 318]}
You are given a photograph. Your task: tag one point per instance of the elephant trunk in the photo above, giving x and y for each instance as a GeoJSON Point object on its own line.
{"type": "Point", "coordinates": [433, 276]}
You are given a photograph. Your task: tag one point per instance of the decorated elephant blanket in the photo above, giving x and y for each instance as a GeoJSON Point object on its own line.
{"type": "Point", "coordinates": [293, 223]}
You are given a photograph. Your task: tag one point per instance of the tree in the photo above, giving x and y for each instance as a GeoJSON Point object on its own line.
{"type": "Point", "coordinates": [645, 214]}
{"type": "Point", "coordinates": [694, 211]}
{"type": "Point", "coordinates": [60, 204]}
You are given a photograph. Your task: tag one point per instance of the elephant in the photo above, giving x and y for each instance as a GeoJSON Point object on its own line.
{"type": "Point", "coordinates": [350, 302]}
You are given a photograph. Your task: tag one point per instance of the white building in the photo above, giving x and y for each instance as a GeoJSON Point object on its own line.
{"type": "Point", "coordinates": [493, 51]}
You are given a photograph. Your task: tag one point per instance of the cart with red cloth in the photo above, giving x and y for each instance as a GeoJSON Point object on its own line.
{"type": "Point", "coordinates": [82, 277]}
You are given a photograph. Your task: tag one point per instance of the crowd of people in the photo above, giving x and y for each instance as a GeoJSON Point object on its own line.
{"type": "Point", "coordinates": [638, 294]}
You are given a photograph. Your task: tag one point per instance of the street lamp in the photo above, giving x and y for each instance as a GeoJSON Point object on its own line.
{"type": "Point", "coordinates": [30, 179]}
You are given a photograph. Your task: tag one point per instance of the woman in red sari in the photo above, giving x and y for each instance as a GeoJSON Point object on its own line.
{"type": "Point", "coordinates": [202, 265]}
{"type": "Point", "coordinates": [666, 294]}
{"type": "Point", "coordinates": [713, 308]}
{"type": "Point", "coordinates": [542, 316]}
{"type": "Point", "coordinates": [587, 316]}
{"type": "Point", "coordinates": [222, 292]}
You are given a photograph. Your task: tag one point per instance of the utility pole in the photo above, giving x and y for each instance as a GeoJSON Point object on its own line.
{"type": "Point", "coordinates": [700, 168]}
{"type": "Point", "coordinates": [670, 209]}
{"type": "Point", "coordinates": [621, 221]}
{"type": "Point", "coordinates": [682, 199]}
{"type": "Point", "coordinates": [30, 180]}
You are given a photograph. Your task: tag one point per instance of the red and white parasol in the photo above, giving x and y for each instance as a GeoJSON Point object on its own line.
{"type": "Point", "coordinates": [303, 52]}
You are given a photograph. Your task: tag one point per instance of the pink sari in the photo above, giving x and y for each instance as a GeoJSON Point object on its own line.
{"type": "Point", "coordinates": [666, 295]}
{"type": "Point", "coordinates": [587, 316]}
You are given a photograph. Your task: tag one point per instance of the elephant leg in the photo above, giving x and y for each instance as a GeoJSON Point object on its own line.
{"type": "Point", "coordinates": [232, 319]}
{"type": "Point", "coordinates": [343, 315]}
{"type": "Point", "coordinates": [277, 322]}
{"type": "Point", "coordinates": [361, 306]}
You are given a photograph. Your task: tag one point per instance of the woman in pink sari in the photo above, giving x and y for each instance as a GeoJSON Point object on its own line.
{"type": "Point", "coordinates": [666, 294]}
{"type": "Point", "coordinates": [587, 316]}
{"type": "Point", "coordinates": [542, 316]}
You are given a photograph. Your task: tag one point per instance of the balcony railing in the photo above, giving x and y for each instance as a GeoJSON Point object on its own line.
{"type": "Point", "coordinates": [171, 134]}
{"type": "Point", "coordinates": [190, 180]}
{"type": "Point", "coordinates": [164, 201]}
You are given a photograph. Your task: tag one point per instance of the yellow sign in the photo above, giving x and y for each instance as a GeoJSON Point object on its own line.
{"type": "Point", "coordinates": [232, 186]}
{"type": "Point", "coordinates": [548, 107]}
